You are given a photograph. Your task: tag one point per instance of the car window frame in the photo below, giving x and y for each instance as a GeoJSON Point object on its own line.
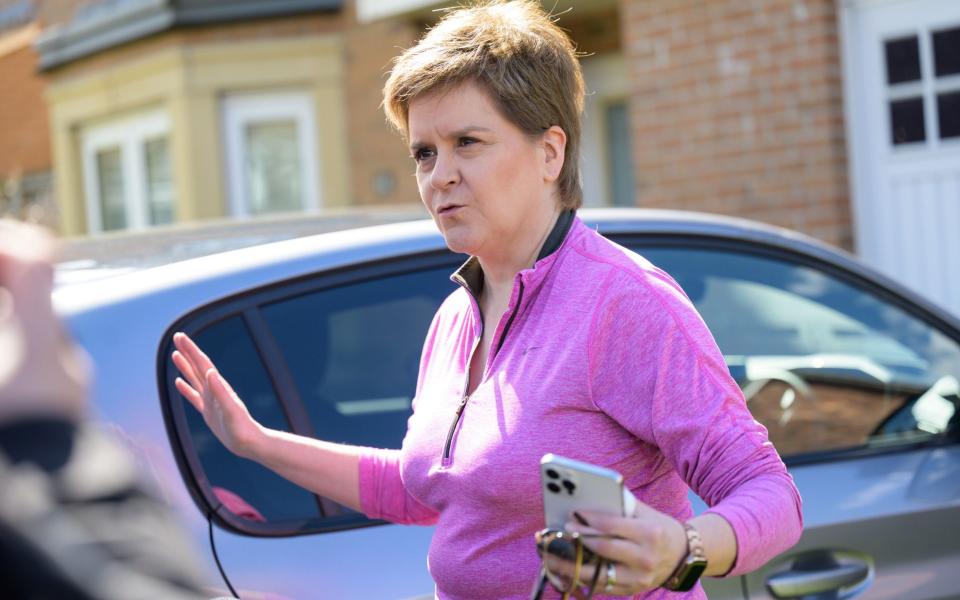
{"type": "Point", "coordinates": [247, 304]}
{"type": "Point", "coordinates": [889, 292]}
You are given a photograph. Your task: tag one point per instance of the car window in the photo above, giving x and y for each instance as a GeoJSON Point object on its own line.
{"type": "Point", "coordinates": [354, 351]}
{"type": "Point", "coordinates": [244, 487]}
{"type": "Point", "coordinates": [824, 364]}
{"type": "Point", "coordinates": [335, 358]}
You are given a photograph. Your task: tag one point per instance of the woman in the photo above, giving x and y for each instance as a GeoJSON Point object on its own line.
{"type": "Point", "coordinates": [559, 341]}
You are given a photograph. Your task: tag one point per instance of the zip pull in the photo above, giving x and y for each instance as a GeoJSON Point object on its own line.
{"type": "Point", "coordinates": [453, 426]}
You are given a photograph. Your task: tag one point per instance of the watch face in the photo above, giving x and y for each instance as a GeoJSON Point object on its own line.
{"type": "Point", "coordinates": [689, 574]}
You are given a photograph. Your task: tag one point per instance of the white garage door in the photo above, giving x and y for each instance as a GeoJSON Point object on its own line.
{"type": "Point", "coordinates": [902, 93]}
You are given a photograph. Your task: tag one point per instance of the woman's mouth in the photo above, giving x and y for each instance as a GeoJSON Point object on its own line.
{"type": "Point", "coordinates": [448, 210]}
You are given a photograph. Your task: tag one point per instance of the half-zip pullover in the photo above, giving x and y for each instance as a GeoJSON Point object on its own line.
{"type": "Point", "coordinates": [470, 277]}
{"type": "Point", "coordinates": [601, 358]}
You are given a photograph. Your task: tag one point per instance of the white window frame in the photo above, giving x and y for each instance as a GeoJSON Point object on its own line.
{"type": "Point", "coordinates": [238, 110]}
{"type": "Point", "coordinates": [130, 135]}
{"type": "Point", "coordinates": [606, 82]}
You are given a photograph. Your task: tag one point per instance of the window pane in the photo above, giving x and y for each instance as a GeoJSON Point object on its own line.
{"type": "Point", "coordinates": [354, 352]}
{"type": "Point", "coordinates": [906, 121]}
{"type": "Point", "coordinates": [823, 365]}
{"type": "Point", "coordinates": [273, 170]}
{"type": "Point", "coordinates": [159, 181]}
{"type": "Point", "coordinates": [113, 212]}
{"type": "Point", "coordinates": [246, 488]}
{"type": "Point", "coordinates": [903, 60]}
{"type": "Point", "coordinates": [620, 155]}
{"type": "Point", "coordinates": [948, 110]}
{"type": "Point", "coordinates": [946, 51]}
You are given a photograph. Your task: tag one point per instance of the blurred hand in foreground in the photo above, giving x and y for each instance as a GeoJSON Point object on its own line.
{"type": "Point", "coordinates": [42, 372]}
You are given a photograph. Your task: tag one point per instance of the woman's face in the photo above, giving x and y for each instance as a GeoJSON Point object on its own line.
{"type": "Point", "coordinates": [489, 187]}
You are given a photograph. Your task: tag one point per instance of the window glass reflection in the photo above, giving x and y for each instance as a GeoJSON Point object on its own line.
{"type": "Point", "coordinates": [907, 124]}
{"type": "Point", "coordinates": [273, 169]}
{"type": "Point", "coordinates": [354, 352]}
{"type": "Point", "coordinates": [113, 210]}
{"type": "Point", "coordinates": [948, 111]}
{"type": "Point", "coordinates": [946, 52]}
{"type": "Point", "coordinates": [823, 365]}
{"type": "Point", "coordinates": [159, 181]}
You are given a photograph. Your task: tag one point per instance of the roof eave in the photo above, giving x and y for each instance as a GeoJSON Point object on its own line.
{"type": "Point", "coordinates": [63, 44]}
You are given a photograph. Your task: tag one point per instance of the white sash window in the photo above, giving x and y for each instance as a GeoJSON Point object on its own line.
{"type": "Point", "coordinates": [128, 178]}
{"type": "Point", "coordinates": [271, 156]}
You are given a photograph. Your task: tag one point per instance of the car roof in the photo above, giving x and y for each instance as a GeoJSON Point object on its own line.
{"type": "Point", "coordinates": [333, 241]}
{"type": "Point", "coordinates": [114, 253]}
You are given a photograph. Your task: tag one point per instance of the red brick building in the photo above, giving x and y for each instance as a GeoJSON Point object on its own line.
{"type": "Point", "coordinates": [737, 108]}
{"type": "Point", "coordinates": [24, 132]}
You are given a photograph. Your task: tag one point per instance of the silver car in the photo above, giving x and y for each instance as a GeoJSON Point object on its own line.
{"type": "Point", "coordinates": [856, 379]}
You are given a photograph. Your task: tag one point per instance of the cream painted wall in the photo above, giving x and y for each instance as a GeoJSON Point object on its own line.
{"type": "Point", "coordinates": [188, 83]}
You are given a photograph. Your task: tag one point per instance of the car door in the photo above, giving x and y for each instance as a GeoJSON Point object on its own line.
{"type": "Point", "coordinates": [859, 392]}
{"type": "Point", "coordinates": [335, 356]}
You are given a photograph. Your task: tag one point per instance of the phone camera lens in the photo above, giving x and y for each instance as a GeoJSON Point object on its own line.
{"type": "Point", "coordinates": [570, 486]}
{"type": "Point", "coordinates": [553, 487]}
{"type": "Point", "coordinates": [553, 474]}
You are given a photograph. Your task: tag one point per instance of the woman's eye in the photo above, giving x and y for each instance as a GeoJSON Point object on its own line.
{"type": "Point", "coordinates": [422, 154]}
{"type": "Point", "coordinates": [466, 141]}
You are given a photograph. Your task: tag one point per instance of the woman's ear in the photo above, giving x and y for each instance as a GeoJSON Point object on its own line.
{"type": "Point", "coordinates": [554, 144]}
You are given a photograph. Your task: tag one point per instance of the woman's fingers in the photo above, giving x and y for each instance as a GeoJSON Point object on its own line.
{"type": "Point", "coordinates": [201, 362]}
{"type": "Point", "coordinates": [621, 551]}
{"type": "Point", "coordinates": [207, 390]}
{"type": "Point", "coordinates": [625, 582]}
{"type": "Point", "coordinates": [566, 570]}
{"type": "Point", "coordinates": [645, 547]}
{"type": "Point", "coordinates": [646, 530]}
{"type": "Point", "coordinates": [187, 370]}
{"type": "Point", "coordinates": [192, 396]}
{"type": "Point", "coordinates": [187, 362]}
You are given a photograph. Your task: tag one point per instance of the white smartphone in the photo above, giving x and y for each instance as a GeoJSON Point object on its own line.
{"type": "Point", "coordinates": [570, 485]}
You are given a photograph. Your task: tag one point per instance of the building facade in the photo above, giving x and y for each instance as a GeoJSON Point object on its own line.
{"type": "Point", "coordinates": [837, 118]}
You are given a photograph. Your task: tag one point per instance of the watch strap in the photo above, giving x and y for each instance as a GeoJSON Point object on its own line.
{"type": "Point", "coordinates": [693, 564]}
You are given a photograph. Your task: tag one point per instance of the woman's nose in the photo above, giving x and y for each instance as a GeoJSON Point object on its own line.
{"type": "Point", "coordinates": [445, 172]}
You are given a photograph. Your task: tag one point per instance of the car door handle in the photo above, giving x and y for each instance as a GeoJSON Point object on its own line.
{"type": "Point", "coordinates": [799, 583]}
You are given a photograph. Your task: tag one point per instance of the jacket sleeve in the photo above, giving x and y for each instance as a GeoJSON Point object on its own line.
{"type": "Point", "coordinates": [660, 374]}
{"type": "Point", "coordinates": [382, 492]}
{"type": "Point", "coordinates": [76, 522]}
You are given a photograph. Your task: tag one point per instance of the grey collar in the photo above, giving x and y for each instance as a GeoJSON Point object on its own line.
{"type": "Point", "coordinates": [470, 273]}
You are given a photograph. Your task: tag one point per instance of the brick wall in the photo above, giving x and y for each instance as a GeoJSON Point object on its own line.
{"type": "Point", "coordinates": [24, 129]}
{"type": "Point", "coordinates": [382, 171]}
{"type": "Point", "coordinates": [736, 108]}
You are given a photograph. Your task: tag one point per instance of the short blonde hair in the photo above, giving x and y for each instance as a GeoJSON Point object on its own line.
{"type": "Point", "coordinates": [518, 55]}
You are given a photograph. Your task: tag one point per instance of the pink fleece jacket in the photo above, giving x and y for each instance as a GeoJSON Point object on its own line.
{"type": "Point", "coordinates": [605, 360]}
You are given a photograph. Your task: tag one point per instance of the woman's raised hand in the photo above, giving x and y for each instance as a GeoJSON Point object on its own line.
{"type": "Point", "coordinates": [203, 386]}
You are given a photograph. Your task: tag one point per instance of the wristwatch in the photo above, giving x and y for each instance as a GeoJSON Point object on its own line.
{"type": "Point", "coordinates": [693, 564]}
